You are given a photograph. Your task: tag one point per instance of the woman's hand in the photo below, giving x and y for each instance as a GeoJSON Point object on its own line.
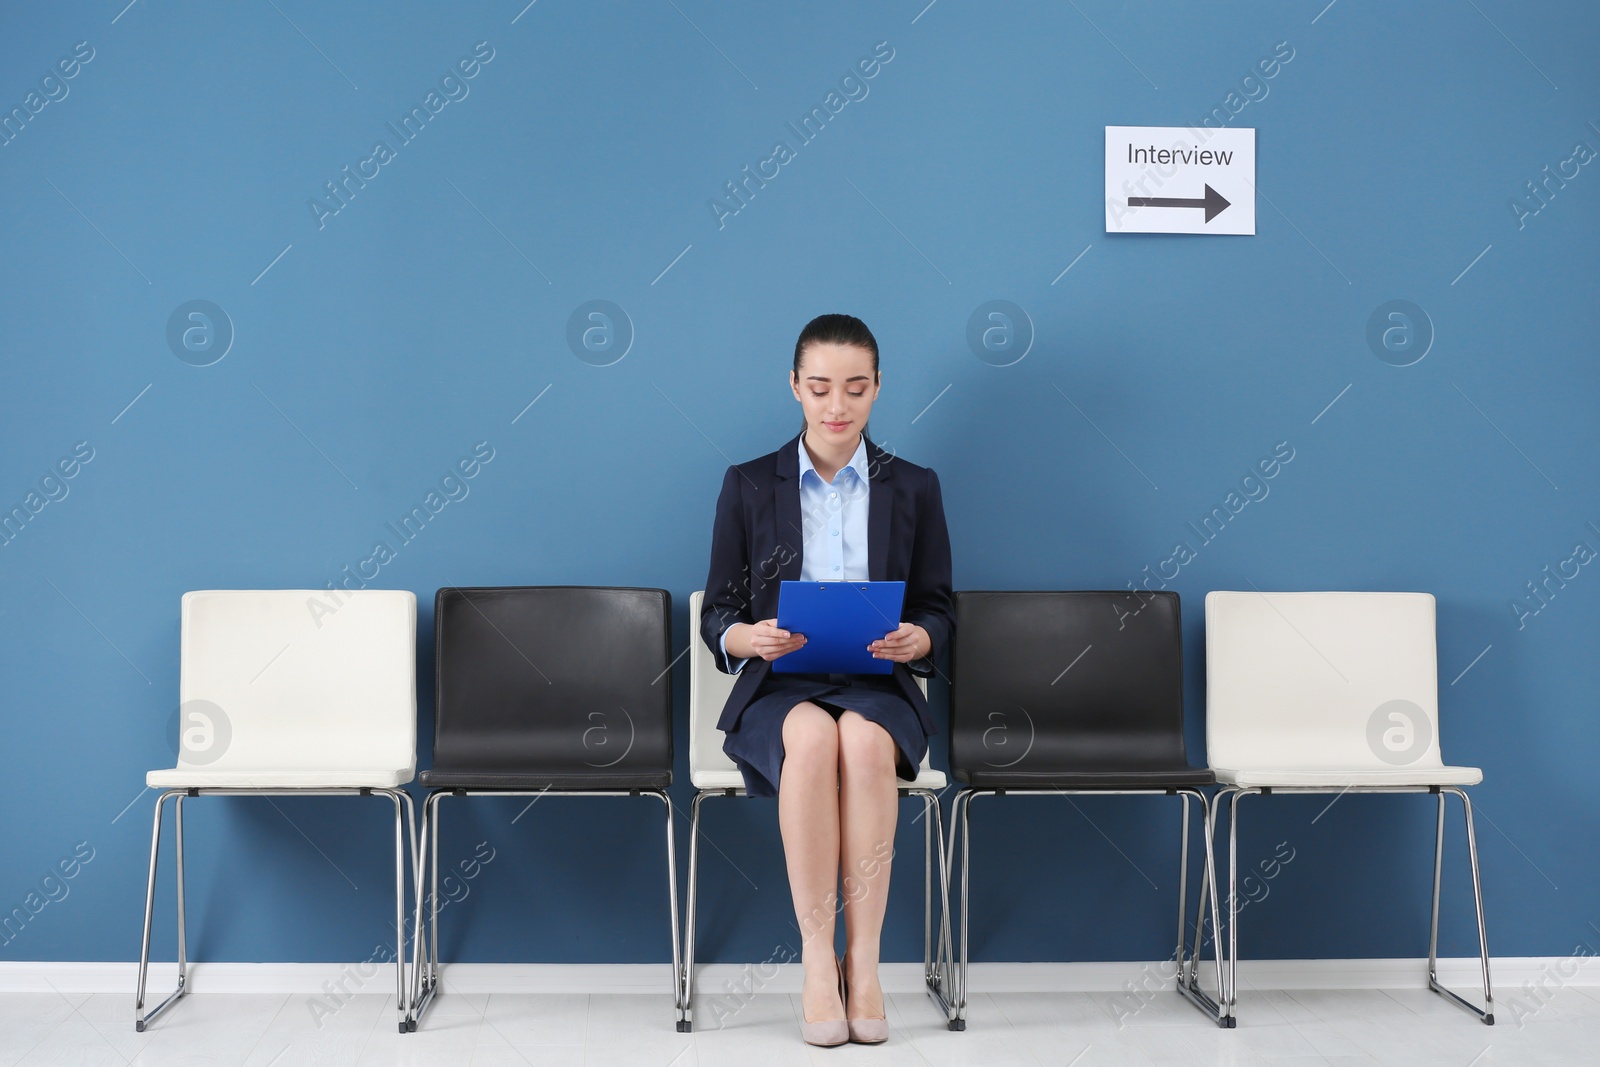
{"type": "Point", "coordinates": [762, 639]}
{"type": "Point", "coordinates": [907, 643]}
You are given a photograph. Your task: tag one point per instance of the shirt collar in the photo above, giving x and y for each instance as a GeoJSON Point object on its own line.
{"type": "Point", "coordinates": [857, 464]}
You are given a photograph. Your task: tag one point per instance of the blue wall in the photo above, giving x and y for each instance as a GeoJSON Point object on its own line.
{"type": "Point", "coordinates": [375, 346]}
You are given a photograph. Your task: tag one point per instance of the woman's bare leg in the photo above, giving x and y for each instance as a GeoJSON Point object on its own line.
{"type": "Point", "coordinates": [868, 808]}
{"type": "Point", "coordinates": [808, 816]}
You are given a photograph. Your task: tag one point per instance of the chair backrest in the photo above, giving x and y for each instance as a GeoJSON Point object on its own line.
{"type": "Point", "coordinates": [1342, 680]}
{"type": "Point", "coordinates": [298, 679]}
{"type": "Point", "coordinates": [1069, 681]}
{"type": "Point", "coordinates": [708, 692]}
{"type": "Point", "coordinates": [550, 678]}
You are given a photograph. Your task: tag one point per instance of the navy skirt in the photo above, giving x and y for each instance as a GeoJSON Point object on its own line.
{"type": "Point", "coordinates": [756, 743]}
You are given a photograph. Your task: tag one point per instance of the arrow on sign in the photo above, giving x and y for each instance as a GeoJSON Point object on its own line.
{"type": "Point", "coordinates": [1213, 202]}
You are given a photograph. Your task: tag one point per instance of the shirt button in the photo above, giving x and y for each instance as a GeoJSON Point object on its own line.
{"type": "Point", "coordinates": [832, 495]}
{"type": "Point", "coordinates": [836, 533]}
{"type": "Point", "coordinates": [835, 566]}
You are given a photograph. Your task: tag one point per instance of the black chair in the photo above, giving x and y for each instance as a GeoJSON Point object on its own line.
{"type": "Point", "coordinates": [546, 691]}
{"type": "Point", "coordinates": [1061, 693]}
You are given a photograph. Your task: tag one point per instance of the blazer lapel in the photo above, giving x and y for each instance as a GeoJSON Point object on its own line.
{"type": "Point", "coordinates": [786, 506]}
{"type": "Point", "coordinates": [880, 506]}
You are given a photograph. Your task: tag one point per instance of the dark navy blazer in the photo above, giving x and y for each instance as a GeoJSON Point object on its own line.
{"type": "Point", "coordinates": [757, 540]}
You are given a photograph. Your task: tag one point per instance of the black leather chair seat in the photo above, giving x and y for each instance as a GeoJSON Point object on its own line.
{"type": "Point", "coordinates": [563, 779]}
{"type": "Point", "coordinates": [1065, 778]}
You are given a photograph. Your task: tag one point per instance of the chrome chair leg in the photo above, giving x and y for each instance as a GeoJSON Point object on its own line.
{"type": "Point", "coordinates": [425, 978]}
{"type": "Point", "coordinates": [686, 1023]}
{"type": "Point", "coordinates": [1233, 793]}
{"type": "Point", "coordinates": [419, 939]}
{"type": "Point", "coordinates": [1486, 1013]}
{"type": "Point", "coordinates": [1187, 975]}
{"type": "Point", "coordinates": [1182, 951]}
{"type": "Point", "coordinates": [672, 904]}
{"type": "Point", "coordinates": [1209, 885]}
{"type": "Point", "coordinates": [944, 961]}
{"type": "Point", "coordinates": [937, 960]}
{"type": "Point", "coordinates": [1188, 984]}
{"type": "Point", "coordinates": [418, 949]}
{"type": "Point", "coordinates": [433, 896]}
{"type": "Point", "coordinates": [403, 824]}
{"type": "Point", "coordinates": [928, 800]}
{"type": "Point", "coordinates": [183, 924]}
{"type": "Point", "coordinates": [401, 1003]}
{"type": "Point", "coordinates": [936, 957]}
{"type": "Point", "coordinates": [425, 944]}
{"type": "Point", "coordinates": [961, 825]}
{"type": "Point", "coordinates": [142, 1020]}
{"type": "Point", "coordinates": [1208, 898]}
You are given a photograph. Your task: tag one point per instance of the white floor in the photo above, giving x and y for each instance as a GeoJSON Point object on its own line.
{"type": "Point", "coordinates": [1408, 1027]}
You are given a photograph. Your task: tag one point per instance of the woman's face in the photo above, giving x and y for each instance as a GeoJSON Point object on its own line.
{"type": "Point", "coordinates": [836, 387]}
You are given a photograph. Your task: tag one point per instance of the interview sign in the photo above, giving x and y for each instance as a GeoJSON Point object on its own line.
{"type": "Point", "coordinates": [1180, 179]}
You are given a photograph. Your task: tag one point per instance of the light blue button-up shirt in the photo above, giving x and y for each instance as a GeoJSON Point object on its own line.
{"type": "Point", "coordinates": [833, 521]}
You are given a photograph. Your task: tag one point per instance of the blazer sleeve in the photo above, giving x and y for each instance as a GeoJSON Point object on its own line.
{"type": "Point", "coordinates": [727, 589]}
{"type": "Point", "coordinates": [928, 593]}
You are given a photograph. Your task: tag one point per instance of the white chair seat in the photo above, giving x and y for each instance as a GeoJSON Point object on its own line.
{"type": "Point", "coordinates": [708, 779]}
{"type": "Point", "coordinates": [1336, 778]}
{"type": "Point", "coordinates": [717, 779]}
{"type": "Point", "coordinates": [236, 778]}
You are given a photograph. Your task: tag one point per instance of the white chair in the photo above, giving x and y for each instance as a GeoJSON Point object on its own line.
{"type": "Point", "coordinates": [288, 692]}
{"type": "Point", "coordinates": [713, 773]}
{"type": "Point", "coordinates": [1331, 692]}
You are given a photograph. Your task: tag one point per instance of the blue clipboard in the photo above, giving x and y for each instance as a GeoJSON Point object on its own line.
{"type": "Point", "coordinates": [839, 619]}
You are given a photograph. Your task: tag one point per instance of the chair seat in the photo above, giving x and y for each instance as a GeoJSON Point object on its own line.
{"type": "Point", "coordinates": [536, 780]}
{"type": "Point", "coordinates": [704, 780]}
{"type": "Point", "coordinates": [1335, 778]}
{"type": "Point", "coordinates": [1145, 778]}
{"type": "Point", "coordinates": [310, 778]}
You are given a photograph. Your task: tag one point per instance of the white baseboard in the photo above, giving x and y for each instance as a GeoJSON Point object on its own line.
{"type": "Point", "coordinates": [1509, 973]}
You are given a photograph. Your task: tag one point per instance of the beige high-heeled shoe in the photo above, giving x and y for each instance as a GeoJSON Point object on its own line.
{"type": "Point", "coordinates": [866, 1031]}
{"type": "Point", "coordinates": [827, 1032]}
